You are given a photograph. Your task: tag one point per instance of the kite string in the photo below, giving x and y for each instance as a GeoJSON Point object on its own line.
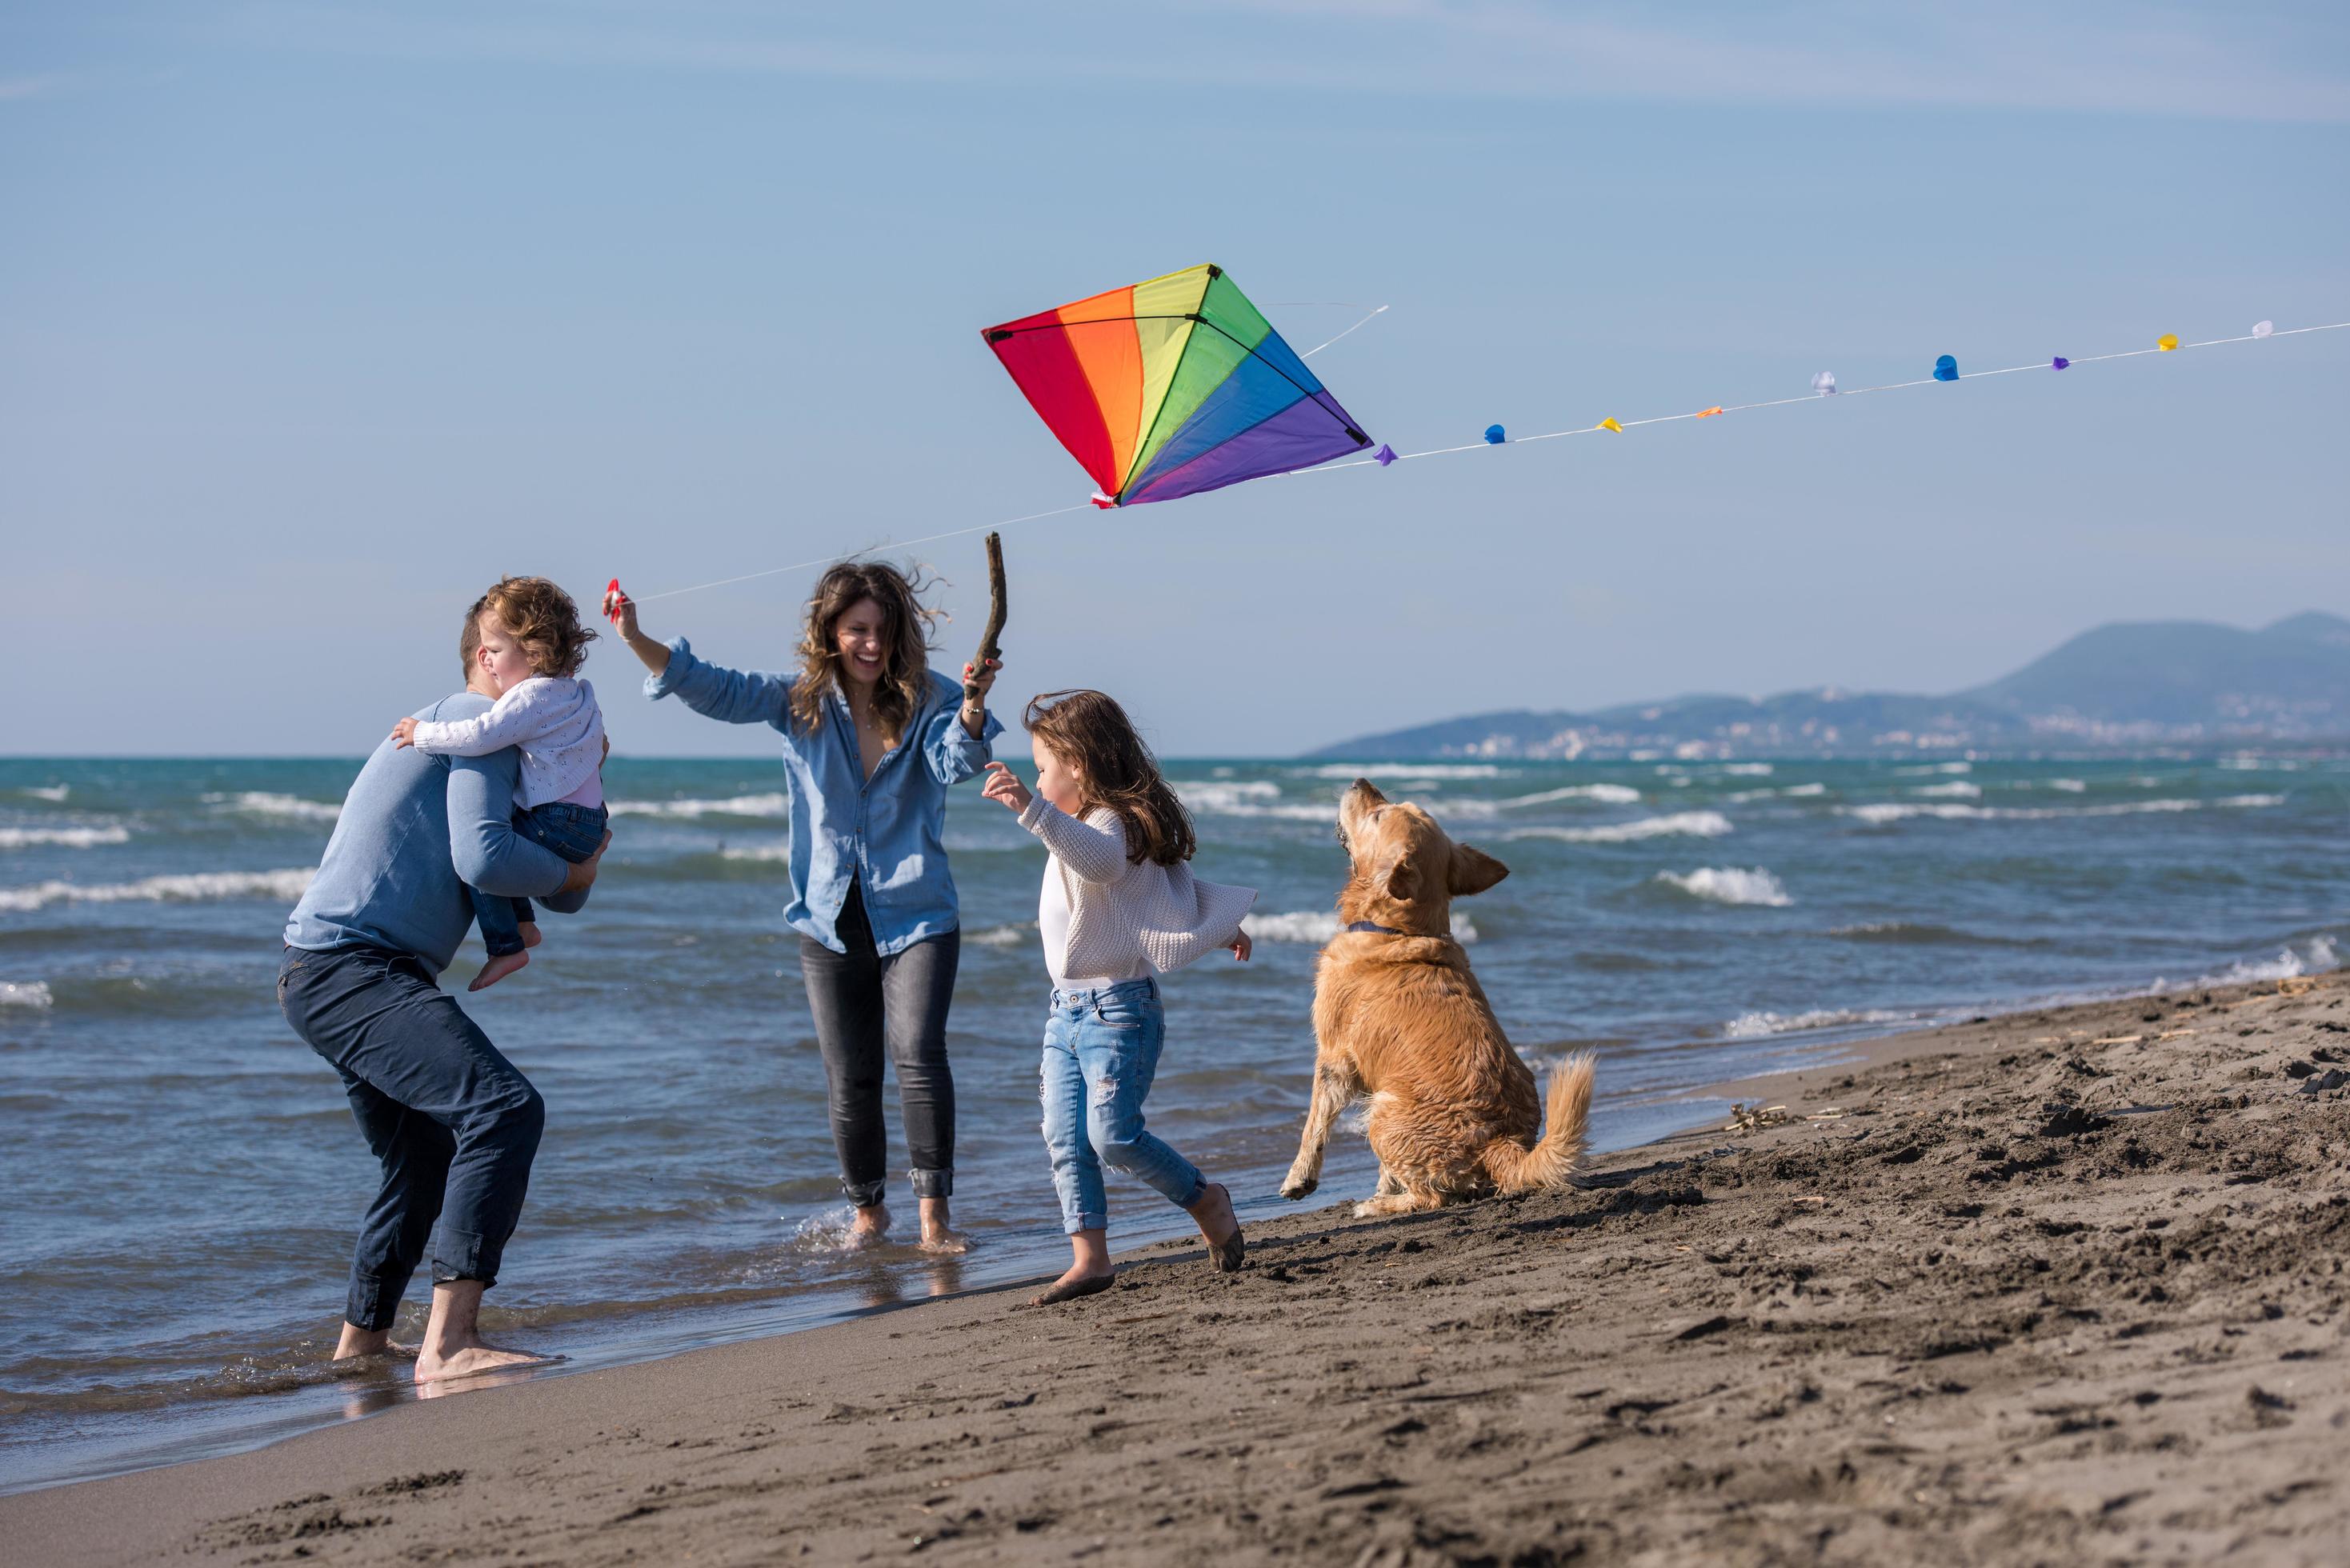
{"type": "Point", "coordinates": [1376, 310]}
{"type": "Point", "coordinates": [1481, 446]}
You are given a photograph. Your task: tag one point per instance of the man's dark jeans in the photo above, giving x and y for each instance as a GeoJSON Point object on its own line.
{"type": "Point", "coordinates": [455, 1124]}
{"type": "Point", "coordinates": [864, 1004]}
{"type": "Point", "coordinates": [573, 832]}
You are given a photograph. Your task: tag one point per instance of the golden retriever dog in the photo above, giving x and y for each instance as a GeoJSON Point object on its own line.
{"type": "Point", "coordinates": [1399, 1016]}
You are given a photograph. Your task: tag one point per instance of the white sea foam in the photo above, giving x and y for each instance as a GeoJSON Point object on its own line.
{"type": "Point", "coordinates": [1749, 769]}
{"type": "Point", "coordinates": [189, 888]}
{"type": "Point", "coordinates": [1680, 823]}
{"type": "Point", "coordinates": [1938, 768]}
{"type": "Point", "coordinates": [1879, 814]}
{"type": "Point", "coordinates": [2317, 957]}
{"type": "Point", "coordinates": [1226, 797]}
{"type": "Point", "coordinates": [25, 993]}
{"type": "Point", "coordinates": [1957, 789]}
{"type": "Point", "coordinates": [1792, 791]}
{"type": "Point", "coordinates": [1409, 770]}
{"type": "Point", "coordinates": [46, 792]}
{"type": "Point", "coordinates": [780, 849]}
{"type": "Point", "coordinates": [62, 838]}
{"type": "Point", "coordinates": [1315, 927]}
{"type": "Point", "coordinates": [1485, 810]}
{"type": "Point", "coordinates": [1011, 936]}
{"type": "Point", "coordinates": [1730, 885]}
{"type": "Point", "coordinates": [2069, 786]}
{"type": "Point", "coordinates": [772, 804]}
{"type": "Point", "coordinates": [1757, 1026]}
{"type": "Point", "coordinates": [266, 803]}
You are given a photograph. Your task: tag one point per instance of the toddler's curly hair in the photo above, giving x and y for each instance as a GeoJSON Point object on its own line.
{"type": "Point", "coordinates": [542, 617]}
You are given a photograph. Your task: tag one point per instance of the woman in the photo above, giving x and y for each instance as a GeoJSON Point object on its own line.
{"type": "Point", "coordinates": [872, 738]}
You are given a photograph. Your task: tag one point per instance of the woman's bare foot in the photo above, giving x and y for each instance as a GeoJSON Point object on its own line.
{"type": "Point", "coordinates": [498, 968]}
{"type": "Point", "coordinates": [1220, 1229]}
{"type": "Point", "coordinates": [1078, 1283]}
{"type": "Point", "coordinates": [869, 1226]}
{"type": "Point", "coordinates": [938, 1235]}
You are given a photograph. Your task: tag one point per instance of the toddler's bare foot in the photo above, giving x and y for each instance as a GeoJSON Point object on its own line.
{"type": "Point", "coordinates": [938, 1234]}
{"type": "Point", "coordinates": [1078, 1283]}
{"type": "Point", "coordinates": [530, 937]}
{"type": "Point", "coordinates": [498, 968]}
{"type": "Point", "coordinates": [1220, 1229]}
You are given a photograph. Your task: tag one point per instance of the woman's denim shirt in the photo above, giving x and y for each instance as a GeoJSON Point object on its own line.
{"type": "Point", "coordinates": [886, 834]}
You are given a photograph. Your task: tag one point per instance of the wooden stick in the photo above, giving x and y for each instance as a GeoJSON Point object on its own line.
{"type": "Point", "coordinates": [987, 646]}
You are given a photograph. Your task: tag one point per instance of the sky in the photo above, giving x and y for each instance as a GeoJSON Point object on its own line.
{"type": "Point", "coordinates": [314, 318]}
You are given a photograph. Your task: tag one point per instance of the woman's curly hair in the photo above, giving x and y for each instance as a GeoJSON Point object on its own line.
{"type": "Point", "coordinates": [539, 616]}
{"type": "Point", "coordinates": [905, 624]}
{"type": "Point", "coordinates": [1091, 733]}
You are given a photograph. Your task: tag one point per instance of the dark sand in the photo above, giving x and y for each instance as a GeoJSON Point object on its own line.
{"type": "Point", "coordinates": [2061, 1287]}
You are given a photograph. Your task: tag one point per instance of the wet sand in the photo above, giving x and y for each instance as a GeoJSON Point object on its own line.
{"type": "Point", "coordinates": [2059, 1287]}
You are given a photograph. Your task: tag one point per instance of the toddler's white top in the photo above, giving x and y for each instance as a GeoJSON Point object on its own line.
{"type": "Point", "coordinates": [553, 720]}
{"type": "Point", "coordinates": [1106, 917]}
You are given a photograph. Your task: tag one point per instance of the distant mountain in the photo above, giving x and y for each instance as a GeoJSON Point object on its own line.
{"type": "Point", "coordinates": [2162, 682]}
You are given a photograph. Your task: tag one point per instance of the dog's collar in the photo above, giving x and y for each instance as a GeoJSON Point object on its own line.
{"type": "Point", "coordinates": [1373, 926]}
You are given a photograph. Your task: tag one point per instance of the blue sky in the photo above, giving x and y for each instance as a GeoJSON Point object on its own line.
{"type": "Point", "coordinates": [315, 318]}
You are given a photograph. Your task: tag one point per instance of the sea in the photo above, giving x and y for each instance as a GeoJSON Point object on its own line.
{"type": "Point", "coordinates": [181, 1178]}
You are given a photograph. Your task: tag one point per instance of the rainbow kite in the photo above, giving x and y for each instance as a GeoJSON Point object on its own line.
{"type": "Point", "coordinates": [1172, 387]}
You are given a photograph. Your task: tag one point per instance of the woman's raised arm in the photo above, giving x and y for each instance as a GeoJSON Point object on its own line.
{"type": "Point", "coordinates": [729, 696]}
{"type": "Point", "coordinates": [621, 610]}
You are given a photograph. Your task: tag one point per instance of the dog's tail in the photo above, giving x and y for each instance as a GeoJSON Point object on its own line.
{"type": "Point", "coordinates": [1565, 1117]}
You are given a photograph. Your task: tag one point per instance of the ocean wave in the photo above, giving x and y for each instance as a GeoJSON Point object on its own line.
{"type": "Point", "coordinates": [2069, 786]}
{"type": "Point", "coordinates": [2317, 957]}
{"type": "Point", "coordinates": [779, 850]}
{"type": "Point", "coordinates": [772, 804]}
{"type": "Point", "coordinates": [1796, 791]}
{"type": "Point", "coordinates": [1879, 814]}
{"type": "Point", "coordinates": [191, 887]}
{"type": "Point", "coordinates": [1749, 769]}
{"type": "Point", "coordinates": [1957, 789]}
{"type": "Point", "coordinates": [1408, 769]}
{"type": "Point", "coordinates": [62, 838]}
{"type": "Point", "coordinates": [266, 803]}
{"type": "Point", "coordinates": [1316, 926]}
{"type": "Point", "coordinates": [1936, 768]}
{"type": "Point", "coordinates": [47, 791]}
{"type": "Point", "coordinates": [1468, 810]}
{"type": "Point", "coordinates": [1757, 1026]}
{"type": "Point", "coordinates": [1680, 823]}
{"type": "Point", "coordinates": [1918, 932]}
{"type": "Point", "coordinates": [1730, 885]}
{"type": "Point", "coordinates": [25, 993]}
{"type": "Point", "coordinates": [1226, 796]}
{"type": "Point", "coordinates": [1011, 936]}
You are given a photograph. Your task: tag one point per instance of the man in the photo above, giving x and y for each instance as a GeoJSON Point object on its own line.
{"type": "Point", "coordinates": [453, 1123]}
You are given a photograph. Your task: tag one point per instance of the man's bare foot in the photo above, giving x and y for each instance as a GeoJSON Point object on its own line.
{"type": "Point", "coordinates": [498, 968]}
{"type": "Point", "coordinates": [1220, 1229]}
{"type": "Point", "coordinates": [473, 1360]}
{"type": "Point", "coordinates": [938, 1235]}
{"type": "Point", "coordinates": [357, 1341]}
{"type": "Point", "coordinates": [870, 1225]}
{"type": "Point", "coordinates": [1078, 1283]}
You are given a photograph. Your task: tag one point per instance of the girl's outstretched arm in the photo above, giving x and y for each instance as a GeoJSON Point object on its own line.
{"type": "Point", "coordinates": [1097, 855]}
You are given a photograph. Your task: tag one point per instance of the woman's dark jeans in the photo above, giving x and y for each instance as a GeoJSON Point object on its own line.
{"type": "Point", "coordinates": [865, 1003]}
{"type": "Point", "coordinates": [573, 832]}
{"type": "Point", "coordinates": [453, 1123]}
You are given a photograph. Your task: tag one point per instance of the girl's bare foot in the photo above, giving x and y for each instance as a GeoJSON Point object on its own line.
{"type": "Point", "coordinates": [870, 1225]}
{"type": "Point", "coordinates": [1078, 1283]}
{"type": "Point", "coordinates": [498, 968]}
{"type": "Point", "coordinates": [1220, 1229]}
{"type": "Point", "coordinates": [938, 1234]}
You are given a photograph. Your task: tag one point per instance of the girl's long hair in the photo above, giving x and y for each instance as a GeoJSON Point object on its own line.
{"type": "Point", "coordinates": [905, 631]}
{"type": "Point", "coordinates": [1091, 734]}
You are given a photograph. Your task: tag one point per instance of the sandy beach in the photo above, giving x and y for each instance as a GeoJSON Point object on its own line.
{"type": "Point", "coordinates": [2059, 1286]}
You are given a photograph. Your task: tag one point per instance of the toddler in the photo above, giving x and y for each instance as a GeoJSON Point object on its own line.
{"type": "Point", "coordinates": [525, 647]}
{"type": "Point", "coordinates": [1119, 906]}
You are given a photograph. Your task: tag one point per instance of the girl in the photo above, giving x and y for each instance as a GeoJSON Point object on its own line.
{"type": "Point", "coordinates": [873, 737]}
{"type": "Point", "coordinates": [1119, 904]}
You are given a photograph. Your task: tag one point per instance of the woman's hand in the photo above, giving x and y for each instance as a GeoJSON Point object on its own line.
{"type": "Point", "coordinates": [975, 684]}
{"type": "Point", "coordinates": [1242, 947]}
{"type": "Point", "coordinates": [622, 611]}
{"type": "Point", "coordinates": [1003, 785]}
{"type": "Point", "coordinates": [404, 733]}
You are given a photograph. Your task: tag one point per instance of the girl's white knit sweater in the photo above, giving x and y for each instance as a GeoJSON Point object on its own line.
{"type": "Point", "coordinates": [1124, 914]}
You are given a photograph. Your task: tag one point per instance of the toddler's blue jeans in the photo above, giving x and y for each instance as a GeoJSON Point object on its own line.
{"type": "Point", "coordinates": [1101, 1050]}
{"type": "Point", "coordinates": [572, 832]}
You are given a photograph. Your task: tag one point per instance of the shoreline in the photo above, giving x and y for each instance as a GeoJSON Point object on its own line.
{"type": "Point", "coordinates": [2067, 1279]}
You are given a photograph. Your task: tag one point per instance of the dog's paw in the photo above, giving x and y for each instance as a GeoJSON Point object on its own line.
{"type": "Point", "coordinates": [1296, 1188]}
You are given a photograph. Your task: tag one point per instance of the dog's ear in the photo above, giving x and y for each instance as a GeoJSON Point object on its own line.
{"type": "Point", "coordinates": [1473, 870]}
{"type": "Point", "coordinates": [1398, 878]}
